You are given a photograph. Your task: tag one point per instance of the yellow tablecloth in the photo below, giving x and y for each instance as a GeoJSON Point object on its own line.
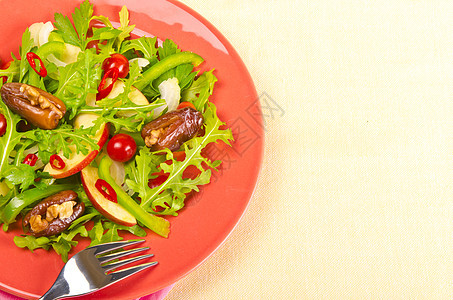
{"type": "Point", "coordinates": [355, 196]}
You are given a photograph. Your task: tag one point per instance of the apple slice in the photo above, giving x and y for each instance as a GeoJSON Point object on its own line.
{"type": "Point", "coordinates": [111, 210]}
{"type": "Point", "coordinates": [78, 161]}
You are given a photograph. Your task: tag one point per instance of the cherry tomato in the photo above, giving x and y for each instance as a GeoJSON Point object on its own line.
{"type": "Point", "coordinates": [117, 60]}
{"type": "Point", "coordinates": [2, 125]}
{"type": "Point", "coordinates": [121, 147]}
{"type": "Point", "coordinates": [185, 104]}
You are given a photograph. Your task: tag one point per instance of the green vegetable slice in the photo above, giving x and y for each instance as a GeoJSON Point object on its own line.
{"type": "Point", "coordinates": [157, 224]}
{"type": "Point", "coordinates": [167, 64]}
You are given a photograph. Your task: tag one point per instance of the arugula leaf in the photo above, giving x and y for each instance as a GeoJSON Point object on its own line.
{"type": "Point", "coordinates": [79, 79]}
{"type": "Point", "coordinates": [64, 242]}
{"type": "Point", "coordinates": [64, 138]}
{"type": "Point", "coordinates": [141, 170]}
{"type": "Point", "coordinates": [96, 233]}
{"type": "Point", "coordinates": [9, 140]}
{"type": "Point", "coordinates": [124, 27]}
{"type": "Point", "coordinates": [31, 242]}
{"type": "Point", "coordinates": [26, 46]}
{"type": "Point", "coordinates": [146, 45]}
{"type": "Point", "coordinates": [107, 231]}
{"type": "Point", "coordinates": [168, 48]}
{"type": "Point", "coordinates": [200, 90]}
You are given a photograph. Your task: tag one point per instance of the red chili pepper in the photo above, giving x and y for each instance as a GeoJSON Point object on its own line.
{"type": "Point", "coordinates": [31, 56]}
{"type": "Point", "coordinates": [103, 92]}
{"type": "Point", "coordinates": [57, 162]}
{"type": "Point", "coordinates": [30, 159]}
{"type": "Point", "coordinates": [106, 190]}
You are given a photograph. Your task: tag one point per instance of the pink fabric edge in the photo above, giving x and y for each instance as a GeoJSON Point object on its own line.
{"type": "Point", "coordinates": [159, 295]}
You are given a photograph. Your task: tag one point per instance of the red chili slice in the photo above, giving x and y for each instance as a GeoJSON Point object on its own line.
{"type": "Point", "coordinates": [31, 56]}
{"type": "Point", "coordinates": [104, 91]}
{"type": "Point", "coordinates": [30, 159]}
{"type": "Point", "coordinates": [106, 190]}
{"type": "Point", "coordinates": [57, 162]}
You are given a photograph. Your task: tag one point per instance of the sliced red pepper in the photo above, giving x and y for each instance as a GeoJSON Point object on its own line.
{"type": "Point", "coordinates": [104, 91]}
{"type": "Point", "coordinates": [31, 56]}
{"type": "Point", "coordinates": [106, 190]}
{"type": "Point", "coordinates": [57, 162]}
{"type": "Point", "coordinates": [30, 159]}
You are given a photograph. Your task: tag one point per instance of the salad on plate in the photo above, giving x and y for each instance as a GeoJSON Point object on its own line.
{"type": "Point", "coordinates": [101, 132]}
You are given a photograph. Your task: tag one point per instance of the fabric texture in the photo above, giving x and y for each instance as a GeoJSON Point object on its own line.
{"type": "Point", "coordinates": [354, 200]}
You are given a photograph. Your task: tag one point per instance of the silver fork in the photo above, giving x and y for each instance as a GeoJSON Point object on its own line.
{"type": "Point", "coordinates": [86, 271]}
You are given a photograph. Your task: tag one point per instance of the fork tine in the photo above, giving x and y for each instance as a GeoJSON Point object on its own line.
{"type": "Point", "coordinates": [110, 257]}
{"type": "Point", "coordinates": [103, 248]}
{"type": "Point", "coordinates": [124, 262]}
{"type": "Point", "coordinates": [118, 275]}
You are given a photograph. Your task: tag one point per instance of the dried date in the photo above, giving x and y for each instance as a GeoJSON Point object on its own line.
{"type": "Point", "coordinates": [54, 214]}
{"type": "Point", "coordinates": [172, 129]}
{"type": "Point", "coordinates": [38, 107]}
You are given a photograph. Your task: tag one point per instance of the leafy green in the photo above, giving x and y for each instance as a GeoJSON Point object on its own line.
{"type": "Point", "coordinates": [23, 175]}
{"type": "Point", "coordinates": [200, 90]}
{"type": "Point", "coordinates": [171, 194]}
{"type": "Point", "coordinates": [79, 79]}
{"type": "Point", "coordinates": [146, 45]}
{"type": "Point", "coordinates": [9, 140]}
{"type": "Point", "coordinates": [61, 139]}
{"type": "Point", "coordinates": [125, 28]}
{"type": "Point", "coordinates": [27, 45]}
{"type": "Point", "coordinates": [31, 242]}
{"type": "Point", "coordinates": [77, 34]}
{"type": "Point", "coordinates": [168, 48]}
{"type": "Point", "coordinates": [64, 242]}
{"type": "Point", "coordinates": [104, 232]}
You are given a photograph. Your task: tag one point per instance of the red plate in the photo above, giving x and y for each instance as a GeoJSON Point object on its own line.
{"type": "Point", "coordinates": [208, 217]}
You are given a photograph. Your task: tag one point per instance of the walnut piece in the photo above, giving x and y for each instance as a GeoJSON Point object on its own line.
{"type": "Point", "coordinates": [37, 224]}
{"type": "Point", "coordinates": [61, 211]}
{"type": "Point", "coordinates": [153, 137]}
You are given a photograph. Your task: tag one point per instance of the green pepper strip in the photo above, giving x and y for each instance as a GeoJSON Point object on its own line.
{"type": "Point", "coordinates": [14, 207]}
{"type": "Point", "coordinates": [167, 64]}
{"type": "Point", "coordinates": [157, 224]}
{"type": "Point", "coordinates": [56, 48]}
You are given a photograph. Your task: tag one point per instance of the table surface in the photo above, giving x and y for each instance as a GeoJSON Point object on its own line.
{"type": "Point", "coordinates": [354, 200]}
